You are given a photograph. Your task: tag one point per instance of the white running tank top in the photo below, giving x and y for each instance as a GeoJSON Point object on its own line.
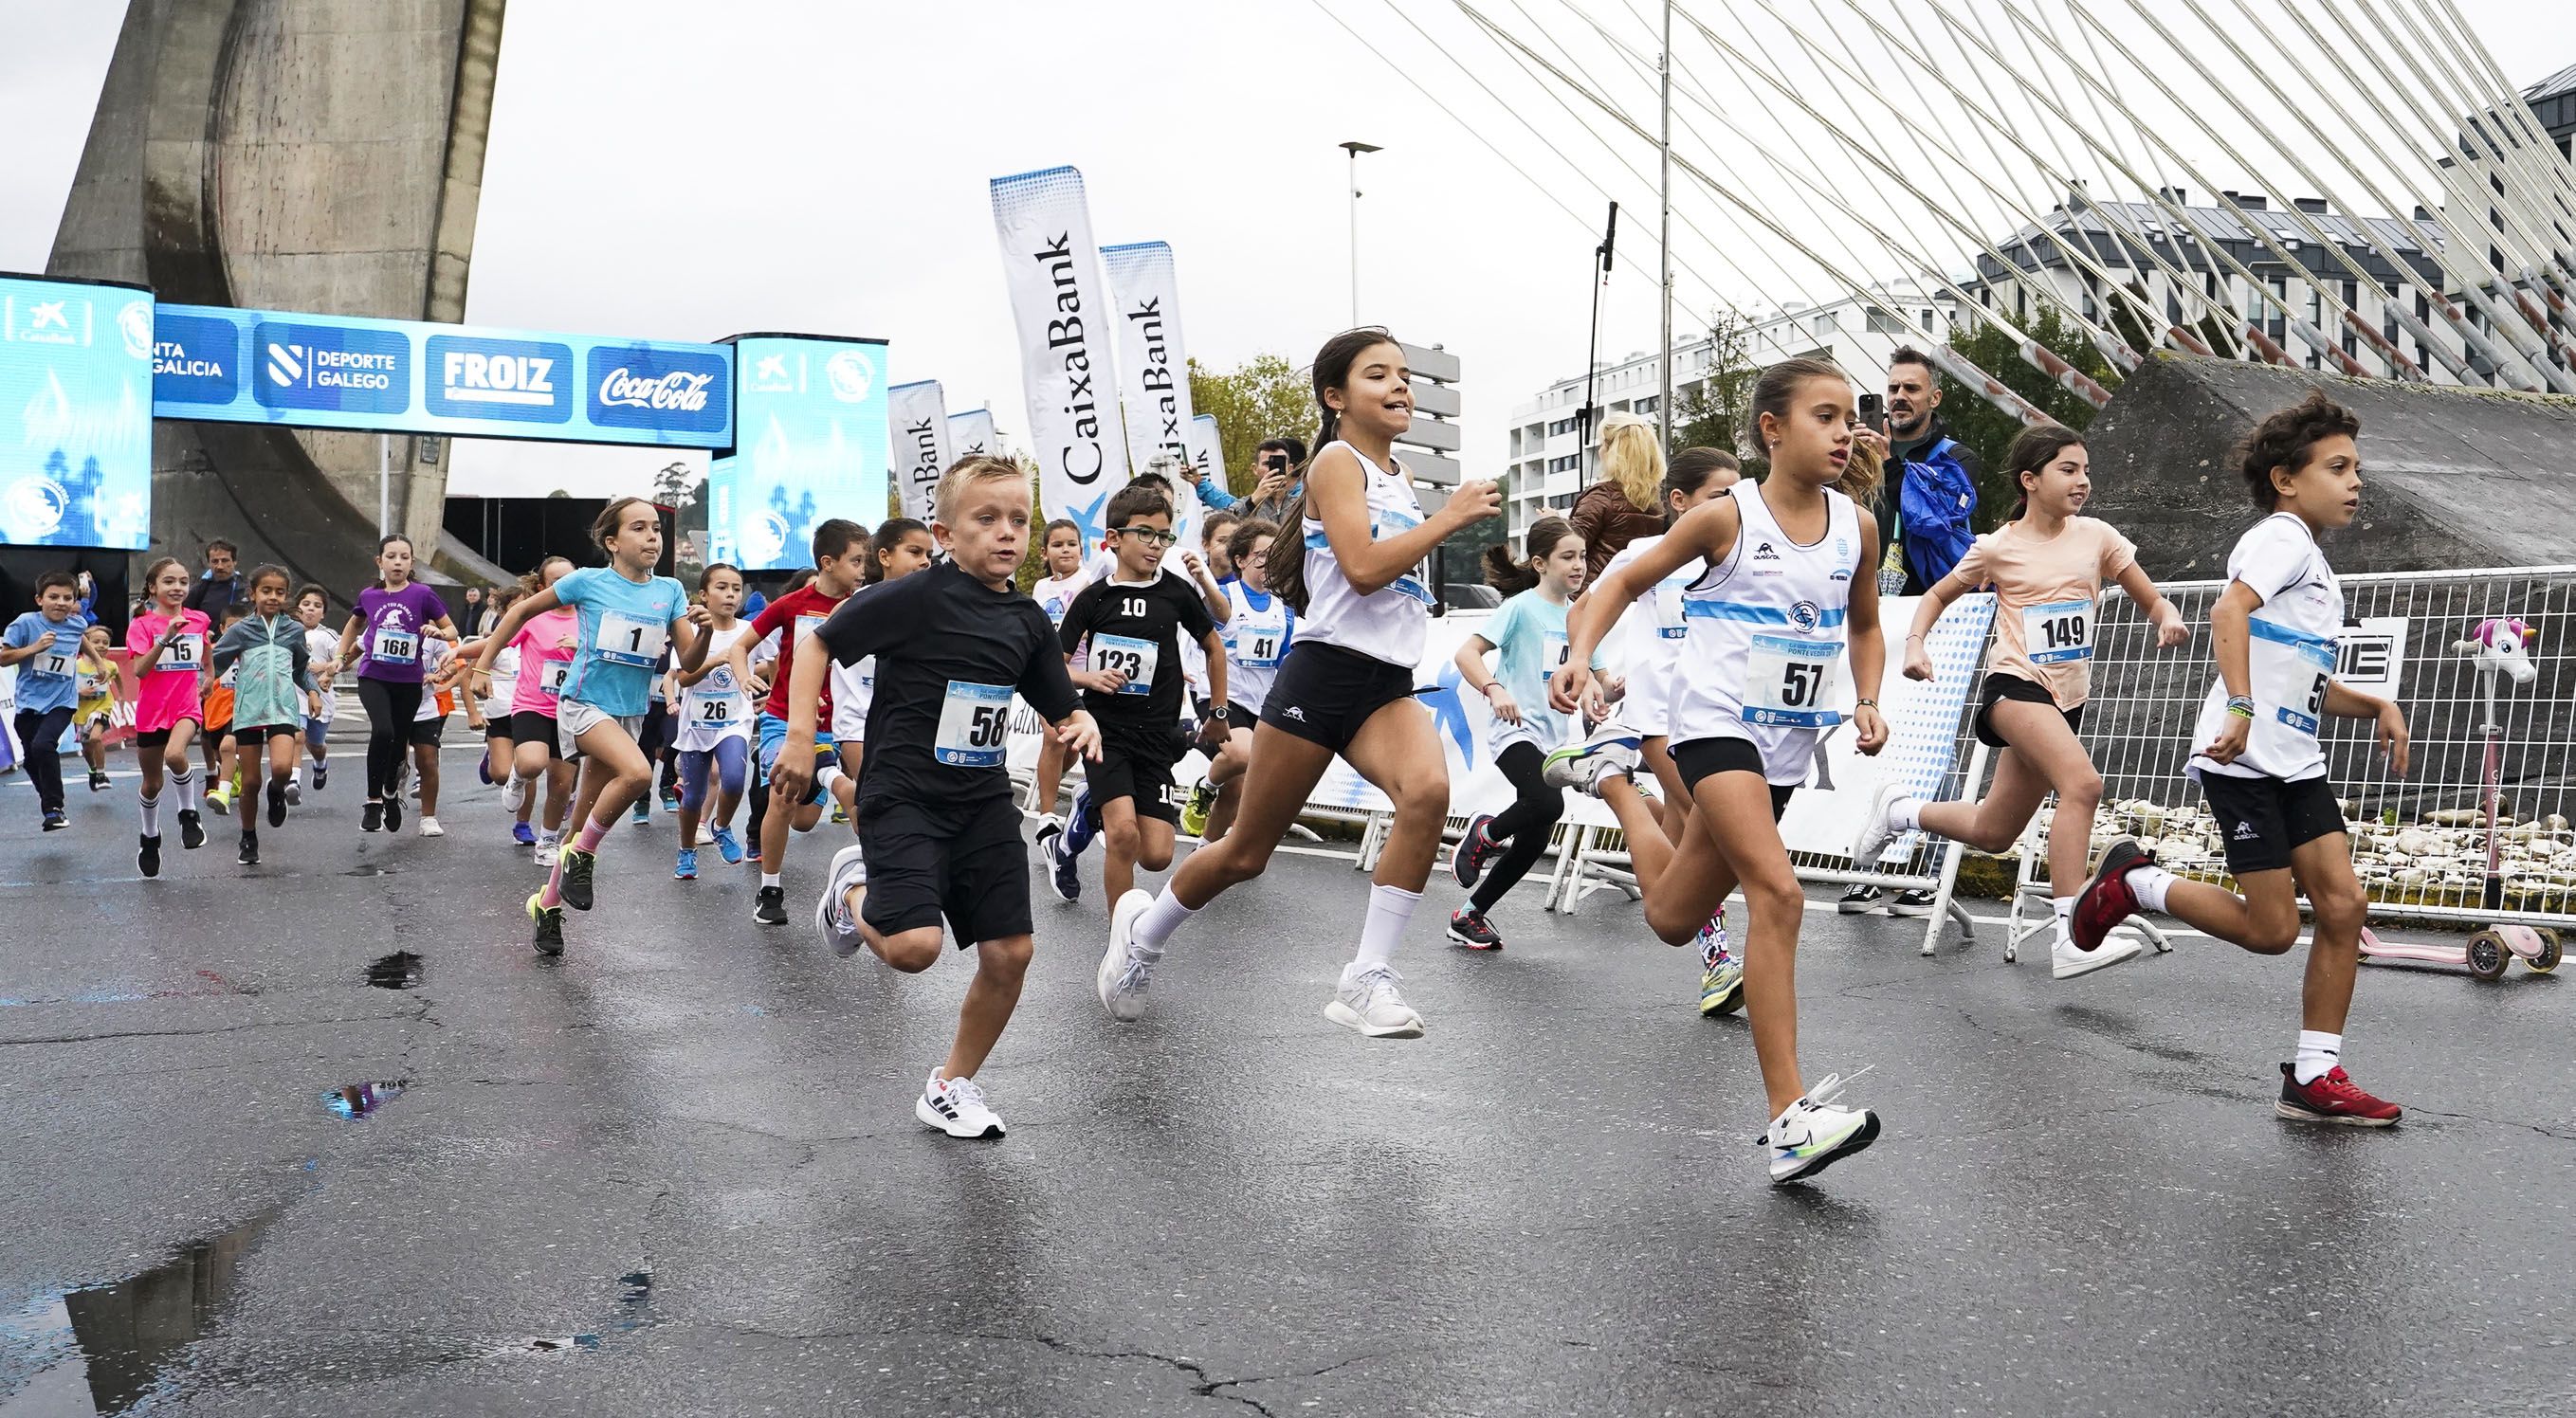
{"type": "Point", "coordinates": [1256, 640]}
{"type": "Point", "coordinates": [1388, 625]}
{"type": "Point", "coordinates": [1764, 637]}
{"type": "Point", "coordinates": [717, 707]}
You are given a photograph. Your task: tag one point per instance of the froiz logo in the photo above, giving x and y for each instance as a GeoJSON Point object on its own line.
{"type": "Point", "coordinates": [677, 390]}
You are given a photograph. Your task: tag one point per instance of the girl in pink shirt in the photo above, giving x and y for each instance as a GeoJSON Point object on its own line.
{"type": "Point", "coordinates": [546, 645]}
{"type": "Point", "coordinates": [167, 653]}
{"type": "Point", "coordinates": [2046, 568]}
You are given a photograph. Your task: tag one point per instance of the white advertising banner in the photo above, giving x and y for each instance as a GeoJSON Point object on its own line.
{"type": "Point", "coordinates": [1064, 314]}
{"type": "Point", "coordinates": [919, 415]}
{"type": "Point", "coordinates": [971, 433]}
{"type": "Point", "coordinates": [1154, 368]}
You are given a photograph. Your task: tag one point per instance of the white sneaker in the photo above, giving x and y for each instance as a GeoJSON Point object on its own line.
{"type": "Point", "coordinates": [429, 828]}
{"type": "Point", "coordinates": [706, 834]}
{"type": "Point", "coordinates": [833, 919]}
{"type": "Point", "coordinates": [549, 849]}
{"type": "Point", "coordinates": [1125, 970]}
{"type": "Point", "coordinates": [956, 1107]}
{"type": "Point", "coordinates": [1367, 1001]}
{"type": "Point", "coordinates": [514, 792]}
{"type": "Point", "coordinates": [1811, 1135]}
{"type": "Point", "coordinates": [295, 792]}
{"type": "Point", "coordinates": [1877, 828]}
{"type": "Point", "coordinates": [1612, 750]}
{"type": "Point", "coordinates": [2065, 962]}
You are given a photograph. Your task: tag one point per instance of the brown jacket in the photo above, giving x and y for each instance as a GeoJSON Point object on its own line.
{"type": "Point", "coordinates": [1607, 521]}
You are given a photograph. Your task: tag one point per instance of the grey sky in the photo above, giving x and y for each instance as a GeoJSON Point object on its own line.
{"type": "Point", "coordinates": [806, 165]}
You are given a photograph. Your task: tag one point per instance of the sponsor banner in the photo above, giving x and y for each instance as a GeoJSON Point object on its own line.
{"type": "Point", "coordinates": [1065, 318]}
{"type": "Point", "coordinates": [2370, 655]}
{"type": "Point", "coordinates": [412, 376]}
{"type": "Point", "coordinates": [1154, 370]}
{"type": "Point", "coordinates": [1207, 447]}
{"type": "Point", "coordinates": [75, 414]}
{"type": "Point", "coordinates": [813, 446]}
{"type": "Point", "coordinates": [920, 435]}
{"type": "Point", "coordinates": [972, 432]}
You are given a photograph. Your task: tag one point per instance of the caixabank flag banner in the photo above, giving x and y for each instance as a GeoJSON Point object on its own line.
{"type": "Point", "coordinates": [1153, 368]}
{"type": "Point", "coordinates": [921, 452]}
{"type": "Point", "coordinates": [412, 376]}
{"type": "Point", "coordinates": [813, 446]}
{"type": "Point", "coordinates": [1065, 319]}
{"type": "Point", "coordinates": [972, 432]}
{"type": "Point", "coordinates": [75, 414]}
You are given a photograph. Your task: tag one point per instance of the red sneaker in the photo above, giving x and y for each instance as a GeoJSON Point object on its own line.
{"type": "Point", "coordinates": [2333, 1098]}
{"type": "Point", "coordinates": [2107, 900]}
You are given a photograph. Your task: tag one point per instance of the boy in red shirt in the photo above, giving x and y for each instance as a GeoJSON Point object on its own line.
{"type": "Point", "coordinates": [840, 555]}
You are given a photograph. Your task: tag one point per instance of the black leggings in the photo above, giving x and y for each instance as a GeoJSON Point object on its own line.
{"type": "Point", "coordinates": [390, 709]}
{"type": "Point", "coordinates": [40, 735]}
{"type": "Point", "coordinates": [1527, 823]}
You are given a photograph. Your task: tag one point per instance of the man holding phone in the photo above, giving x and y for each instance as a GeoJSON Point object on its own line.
{"type": "Point", "coordinates": [1276, 463]}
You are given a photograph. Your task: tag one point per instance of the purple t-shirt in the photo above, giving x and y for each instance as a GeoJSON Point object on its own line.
{"type": "Point", "coordinates": [389, 629]}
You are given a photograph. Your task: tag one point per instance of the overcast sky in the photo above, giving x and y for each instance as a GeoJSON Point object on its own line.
{"type": "Point", "coordinates": [665, 169]}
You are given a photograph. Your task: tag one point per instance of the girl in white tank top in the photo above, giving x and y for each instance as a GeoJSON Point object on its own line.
{"type": "Point", "coordinates": [1345, 687]}
{"type": "Point", "coordinates": [1767, 625]}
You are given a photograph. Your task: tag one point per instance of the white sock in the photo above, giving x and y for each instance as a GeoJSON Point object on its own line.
{"type": "Point", "coordinates": [1390, 908]}
{"type": "Point", "coordinates": [2065, 908]}
{"type": "Point", "coordinates": [1159, 921]}
{"type": "Point", "coordinates": [151, 814]}
{"type": "Point", "coordinates": [1905, 814]}
{"type": "Point", "coordinates": [2149, 885]}
{"type": "Point", "coordinates": [827, 778]}
{"type": "Point", "coordinates": [2318, 1054]}
{"type": "Point", "coordinates": [769, 879]}
{"type": "Point", "coordinates": [185, 780]}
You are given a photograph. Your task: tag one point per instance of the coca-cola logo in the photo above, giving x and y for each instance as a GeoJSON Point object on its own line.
{"type": "Point", "coordinates": [680, 391]}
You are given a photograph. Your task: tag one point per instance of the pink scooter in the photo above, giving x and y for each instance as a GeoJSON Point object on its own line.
{"type": "Point", "coordinates": [2501, 648]}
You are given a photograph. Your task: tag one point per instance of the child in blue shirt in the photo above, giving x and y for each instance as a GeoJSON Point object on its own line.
{"type": "Point", "coordinates": [45, 645]}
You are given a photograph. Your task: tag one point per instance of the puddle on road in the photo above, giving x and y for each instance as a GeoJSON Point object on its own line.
{"type": "Point", "coordinates": [401, 970]}
{"type": "Point", "coordinates": [369, 869]}
{"type": "Point", "coordinates": [352, 1101]}
{"type": "Point", "coordinates": [634, 1311]}
{"type": "Point", "coordinates": [109, 1342]}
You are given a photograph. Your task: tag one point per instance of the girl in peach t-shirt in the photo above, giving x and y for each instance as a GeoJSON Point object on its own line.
{"type": "Point", "coordinates": [2046, 568]}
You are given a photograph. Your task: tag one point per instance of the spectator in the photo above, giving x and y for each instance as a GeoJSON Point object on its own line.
{"type": "Point", "coordinates": [474, 611]}
{"type": "Point", "coordinates": [1916, 434]}
{"type": "Point", "coordinates": [1625, 504]}
{"type": "Point", "coordinates": [218, 587]}
{"type": "Point", "coordinates": [1278, 461]}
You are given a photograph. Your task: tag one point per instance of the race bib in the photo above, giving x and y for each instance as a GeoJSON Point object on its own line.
{"type": "Point", "coordinates": [1387, 522]}
{"type": "Point", "coordinates": [55, 663]}
{"type": "Point", "coordinates": [716, 713]}
{"type": "Point", "coordinates": [188, 652]}
{"type": "Point", "coordinates": [624, 639]}
{"type": "Point", "coordinates": [1129, 656]}
{"type": "Point", "coordinates": [92, 686]}
{"type": "Point", "coordinates": [805, 625]}
{"type": "Point", "coordinates": [974, 725]}
{"type": "Point", "coordinates": [1669, 624]}
{"type": "Point", "coordinates": [551, 677]}
{"type": "Point", "coordinates": [2058, 632]}
{"type": "Point", "coordinates": [1551, 654]}
{"type": "Point", "coordinates": [390, 646]}
{"type": "Point", "coordinates": [231, 671]}
{"type": "Point", "coordinates": [2290, 675]}
{"type": "Point", "coordinates": [1261, 648]}
{"type": "Point", "coordinates": [1790, 682]}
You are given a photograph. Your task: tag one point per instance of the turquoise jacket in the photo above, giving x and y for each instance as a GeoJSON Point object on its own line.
{"type": "Point", "coordinates": [274, 667]}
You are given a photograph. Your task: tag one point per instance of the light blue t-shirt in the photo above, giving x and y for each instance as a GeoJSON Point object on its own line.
{"type": "Point", "coordinates": [625, 626]}
{"type": "Point", "coordinates": [51, 680]}
{"type": "Point", "coordinates": [1529, 630]}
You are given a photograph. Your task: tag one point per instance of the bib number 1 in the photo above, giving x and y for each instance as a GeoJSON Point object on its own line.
{"type": "Point", "coordinates": [974, 725]}
{"type": "Point", "coordinates": [630, 640]}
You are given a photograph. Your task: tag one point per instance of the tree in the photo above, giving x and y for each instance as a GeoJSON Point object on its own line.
{"type": "Point", "coordinates": [1717, 412]}
{"type": "Point", "coordinates": [1261, 399]}
{"type": "Point", "coordinates": [1988, 430]}
{"type": "Point", "coordinates": [676, 486]}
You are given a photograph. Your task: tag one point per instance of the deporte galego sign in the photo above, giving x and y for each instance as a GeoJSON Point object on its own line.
{"type": "Point", "coordinates": [412, 376]}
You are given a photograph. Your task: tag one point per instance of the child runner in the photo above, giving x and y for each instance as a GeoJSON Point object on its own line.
{"type": "Point", "coordinates": [1786, 589]}
{"type": "Point", "coordinates": [1134, 621]}
{"type": "Point", "coordinates": [628, 616]}
{"type": "Point", "coordinates": [45, 645]}
{"type": "Point", "coordinates": [840, 549]}
{"type": "Point", "coordinates": [273, 693]}
{"type": "Point", "coordinates": [383, 639]}
{"type": "Point", "coordinates": [1209, 569]}
{"type": "Point", "coordinates": [1054, 592]}
{"type": "Point", "coordinates": [715, 721]}
{"type": "Point", "coordinates": [440, 668]}
{"type": "Point", "coordinates": [2046, 568]}
{"type": "Point", "coordinates": [322, 651]}
{"type": "Point", "coordinates": [491, 716]}
{"type": "Point", "coordinates": [546, 645]}
{"type": "Point", "coordinates": [2260, 765]}
{"type": "Point", "coordinates": [215, 692]}
{"type": "Point", "coordinates": [1258, 632]}
{"type": "Point", "coordinates": [1345, 688]}
{"type": "Point", "coordinates": [96, 714]}
{"type": "Point", "coordinates": [165, 652]}
{"type": "Point", "coordinates": [654, 735]}
{"type": "Point", "coordinates": [1655, 636]}
{"type": "Point", "coordinates": [939, 836]}
{"type": "Point", "coordinates": [901, 546]}
{"type": "Point", "coordinates": [1529, 631]}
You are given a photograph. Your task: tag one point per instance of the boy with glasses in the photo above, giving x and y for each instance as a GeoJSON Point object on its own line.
{"type": "Point", "coordinates": [1134, 618]}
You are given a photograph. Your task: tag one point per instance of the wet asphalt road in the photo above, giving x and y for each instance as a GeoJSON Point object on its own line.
{"type": "Point", "coordinates": [678, 1172]}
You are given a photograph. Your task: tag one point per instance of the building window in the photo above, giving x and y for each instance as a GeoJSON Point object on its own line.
{"type": "Point", "coordinates": [1882, 323]}
{"type": "Point", "coordinates": [1822, 324]}
{"type": "Point", "coordinates": [1927, 321]}
{"type": "Point", "coordinates": [1648, 404]}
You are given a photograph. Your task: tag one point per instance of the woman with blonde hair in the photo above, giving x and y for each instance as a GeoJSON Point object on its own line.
{"type": "Point", "coordinates": [1628, 501]}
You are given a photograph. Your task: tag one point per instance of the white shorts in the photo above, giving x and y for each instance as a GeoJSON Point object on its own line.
{"type": "Point", "coordinates": [574, 718]}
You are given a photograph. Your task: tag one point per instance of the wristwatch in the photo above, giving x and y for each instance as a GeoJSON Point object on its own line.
{"type": "Point", "coordinates": [1217, 713]}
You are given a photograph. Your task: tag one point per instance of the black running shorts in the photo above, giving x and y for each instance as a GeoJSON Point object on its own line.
{"type": "Point", "coordinates": [2262, 821]}
{"type": "Point", "coordinates": [965, 864]}
{"type": "Point", "coordinates": [1324, 693]}
{"type": "Point", "coordinates": [1136, 762]}
{"type": "Point", "coordinates": [2010, 686]}
{"type": "Point", "coordinates": [1699, 758]}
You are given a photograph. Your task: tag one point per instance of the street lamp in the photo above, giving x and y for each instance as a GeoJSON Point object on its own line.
{"type": "Point", "coordinates": [1356, 148]}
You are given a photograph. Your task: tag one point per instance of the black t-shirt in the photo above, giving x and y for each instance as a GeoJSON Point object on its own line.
{"type": "Point", "coordinates": [1129, 627]}
{"type": "Point", "coordinates": [949, 650]}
